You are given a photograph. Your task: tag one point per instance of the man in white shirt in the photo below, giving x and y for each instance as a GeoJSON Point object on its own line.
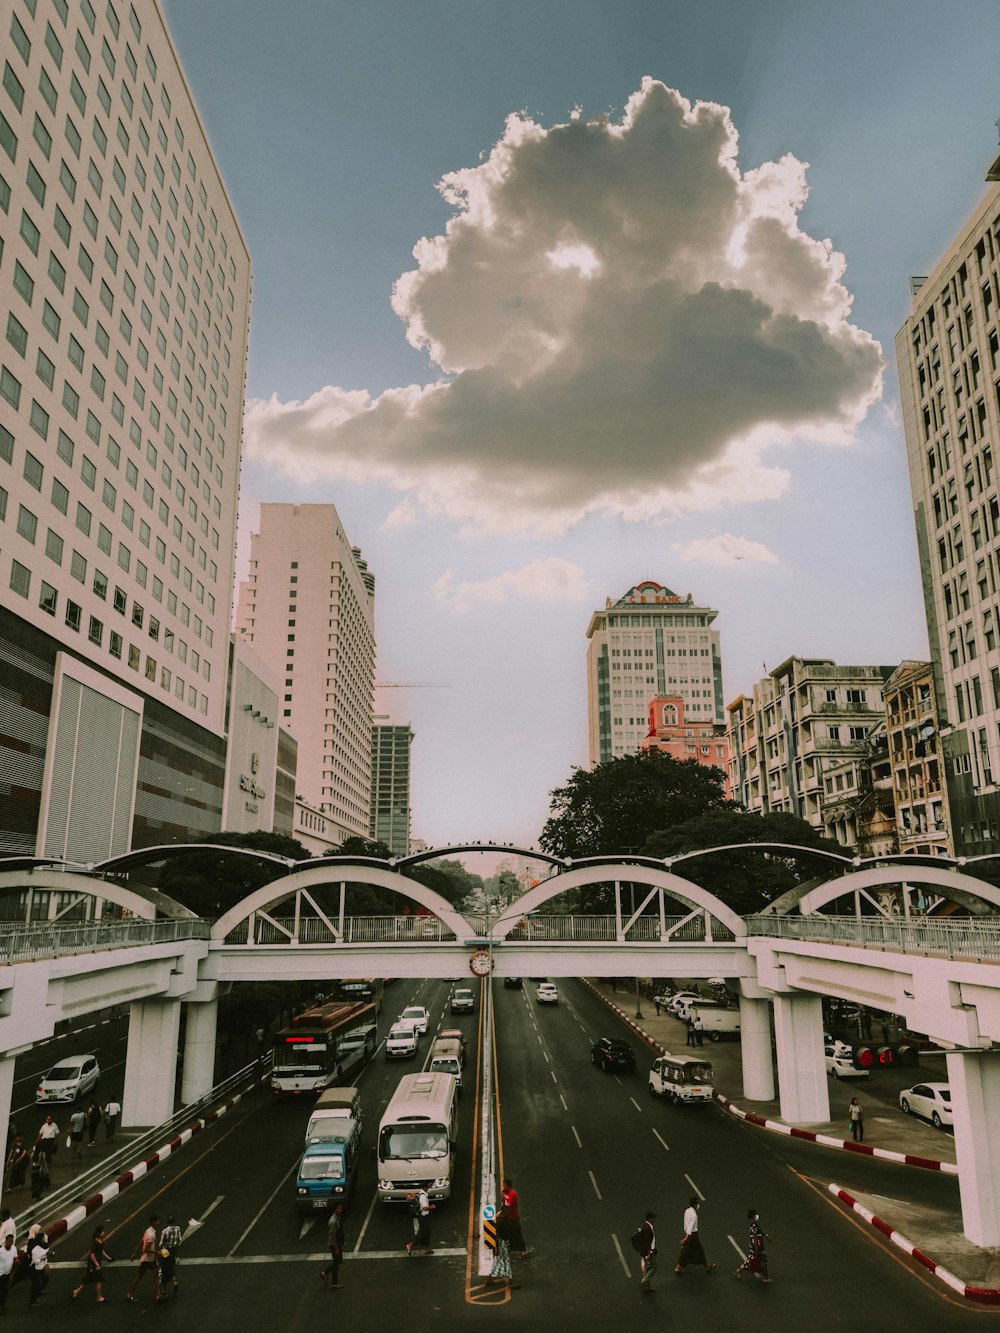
{"type": "Point", "coordinates": [691, 1247]}
{"type": "Point", "coordinates": [8, 1258]}
{"type": "Point", "coordinates": [420, 1207]}
{"type": "Point", "coordinates": [111, 1113]}
{"type": "Point", "coordinates": [48, 1136]}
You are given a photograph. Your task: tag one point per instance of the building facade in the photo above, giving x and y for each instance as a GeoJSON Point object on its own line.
{"type": "Point", "coordinates": [920, 793]}
{"type": "Point", "coordinates": [124, 301]}
{"type": "Point", "coordinates": [948, 357]}
{"type": "Point", "coordinates": [673, 733]}
{"type": "Point", "coordinates": [650, 642]}
{"type": "Point", "coordinates": [391, 812]}
{"type": "Point", "coordinates": [805, 719]}
{"type": "Point", "coordinates": [308, 610]}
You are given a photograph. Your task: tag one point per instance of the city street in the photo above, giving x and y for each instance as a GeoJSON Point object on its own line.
{"type": "Point", "coordinates": [589, 1152]}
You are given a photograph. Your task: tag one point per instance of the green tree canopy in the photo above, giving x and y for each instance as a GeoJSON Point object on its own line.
{"type": "Point", "coordinates": [615, 807]}
{"type": "Point", "coordinates": [746, 881]}
{"type": "Point", "coordinates": [209, 881]}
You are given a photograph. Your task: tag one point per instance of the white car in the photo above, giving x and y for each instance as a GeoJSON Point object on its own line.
{"type": "Point", "coordinates": [547, 993]}
{"type": "Point", "coordinates": [418, 1015]}
{"type": "Point", "coordinates": [682, 1000]}
{"type": "Point", "coordinates": [70, 1080]}
{"type": "Point", "coordinates": [930, 1100]}
{"type": "Point", "coordinates": [840, 1062]}
{"type": "Point", "coordinates": [403, 1039]}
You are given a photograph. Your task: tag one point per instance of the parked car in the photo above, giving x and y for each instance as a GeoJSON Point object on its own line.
{"type": "Point", "coordinates": [840, 1062]}
{"type": "Point", "coordinates": [681, 1000]}
{"type": "Point", "coordinates": [610, 1053]}
{"type": "Point", "coordinates": [930, 1100]}
{"type": "Point", "coordinates": [419, 1015]}
{"type": "Point", "coordinates": [70, 1080]}
{"type": "Point", "coordinates": [402, 1040]}
{"type": "Point", "coordinates": [547, 993]}
{"type": "Point", "coordinates": [463, 1001]}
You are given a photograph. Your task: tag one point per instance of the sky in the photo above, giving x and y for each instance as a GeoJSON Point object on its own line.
{"type": "Point", "coordinates": [552, 298]}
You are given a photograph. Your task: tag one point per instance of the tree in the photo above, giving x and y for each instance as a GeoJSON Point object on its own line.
{"type": "Point", "coordinates": [614, 808]}
{"type": "Point", "coordinates": [504, 886]}
{"type": "Point", "coordinates": [746, 881]}
{"type": "Point", "coordinates": [209, 881]}
{"type": "Point", "coordinates": [449, 878]}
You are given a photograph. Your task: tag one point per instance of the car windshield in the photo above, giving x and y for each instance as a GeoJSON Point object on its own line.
{"type": "Point", "coordinates": [405, 1142]}
{"type": "Point", "coordinates": [401, 1033]}
{"type": "Point", "coordinates": [322, 1168]}
{"type": "Point", "coordinates": [413, 1012]}
{"type": "Point", "coordinates": [63, 1073]}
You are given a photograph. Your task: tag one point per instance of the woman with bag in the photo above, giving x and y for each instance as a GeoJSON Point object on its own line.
{"type": "Point", "coordinates": [94, 1273]}
{"type": "Point", "coordinates": [756, 1260]}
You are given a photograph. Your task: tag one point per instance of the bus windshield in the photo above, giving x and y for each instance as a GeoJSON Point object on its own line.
{"type": "Point", "coordinates": [409, 1141]}
{"type": "Point", "coordinates": [300, 1055]}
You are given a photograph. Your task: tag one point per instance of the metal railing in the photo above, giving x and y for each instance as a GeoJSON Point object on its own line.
{"type": "Point", "coordinates": [972, 938]}
{"type": "Point", "coordinates": [22, 944]}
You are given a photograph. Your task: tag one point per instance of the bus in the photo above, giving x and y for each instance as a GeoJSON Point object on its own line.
{"type": "Point", "coordinates": [417, 1138]}
{"type": "Point", "coordinates": [322, 1046]}
{"type": "Point", "coordinates": [369, 989]}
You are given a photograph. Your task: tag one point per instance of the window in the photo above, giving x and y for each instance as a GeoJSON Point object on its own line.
{"type": "Point", "coordinates": [78, 567]}
{"type": "Point", "coordinates": [24, 284]}
{"type": "Point", "coordinates": [54, 547]}
{"type": "Point", "coordinates": [39, 419]}
{"type": "Point", "coordinates": [60, 496]}
{"type": "Point", "coordinates": [33, 471]}
{"type": "Point", "coordinates": [48, 599]}
{"type": "Point", "coordinates": [83, 518]}
{"type": "Point", "coordinates": [17, 335]}
{"type": "Point", "coordinates": [96, 631]}
{"type": "Point", "coordinates": [74, 615]}
{"type": "Point", "coordinates": [115, 644]}
{"type": "Point", "coordinates": [20, 577]}
{"type": "Point", "coordinates": [27, 524]}
{"type": "Point", "coordinates": [10, 387]}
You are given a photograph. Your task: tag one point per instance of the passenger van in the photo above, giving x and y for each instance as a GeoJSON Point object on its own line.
{"type": "Point", "coordinates": [333, 1109]}
{"type": "Point", "coordinates": [327, 1170]}
{"type": "Point", "coordinates": [417, 1138]}
{"type": "Point", "coordinates": [681, 1078]}
{"type": "Point", "coordinates": [447, 1057]}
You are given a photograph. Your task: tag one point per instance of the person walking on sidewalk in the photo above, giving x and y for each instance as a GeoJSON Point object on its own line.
{"type": "Point", "coordinates": [48, 1137]}
{"type": "Point", "coordinates": [647, 1253]}
{"type": "Point", "coordinates": [856, 1115]}
{"type": "Point", "coordinates": [17, 1163]}
{"type": "Point", "coordinates": [335, 1239]}
{"type": "Point", "coordinates": [40, 1173]}
{"type": "Point", "coordinates": [77, 1124]}
{"type": "Point", "coordinates": [8, 1263]}
{"type": "Point", "coordinates": [699, 1029]}
{"type": "Point", "coordinates": [93, 1120]}
{"type": "Point", "coordinates": [111, 1113]}
{"type": "Point", "coordinates": [691, 1251]}
{"type": "Point", "coordinates": [512, 1207]}
{"type": "Point", "coordinates": [756, 1260]}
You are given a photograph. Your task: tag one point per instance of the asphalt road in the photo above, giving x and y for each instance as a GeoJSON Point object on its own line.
{"type": "Point", "coordinates": [589, 1152]}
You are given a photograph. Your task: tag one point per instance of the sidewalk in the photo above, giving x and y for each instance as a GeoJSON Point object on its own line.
{"type": "Point", "coordinates": [937, 1233]}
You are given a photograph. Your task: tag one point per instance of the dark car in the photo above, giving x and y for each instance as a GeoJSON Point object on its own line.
{"type": "Point", "coordinates": [513, 983]}
{"type": "Point", "coordinates": [610, 1053]}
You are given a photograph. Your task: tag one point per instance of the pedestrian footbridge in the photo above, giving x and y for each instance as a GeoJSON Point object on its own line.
{"type": "Point", "coordinates": [919, 939]}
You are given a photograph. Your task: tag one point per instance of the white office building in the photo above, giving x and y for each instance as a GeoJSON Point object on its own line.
{"type": "Point", "coordinates": [308, 610]}
{"type": "Point", "coordinates": [124, 300]}
{"type": "Point", "coordinates": [948, 355]}
{"type": "Point", "coordinates": [649, 642]}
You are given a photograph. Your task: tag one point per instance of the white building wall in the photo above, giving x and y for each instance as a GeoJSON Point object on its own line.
{"type": "Point", "coordinates": [252, 749]}
{"type": "Point", "coordinates": [124, 301]}
{"type": "Point", "coordinates": [307, 609]}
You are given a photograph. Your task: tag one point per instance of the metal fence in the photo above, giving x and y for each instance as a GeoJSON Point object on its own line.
{"type": "Point", "coordinates": [974, 938]}
{"type": "Point", "coordinates": [23, 944]}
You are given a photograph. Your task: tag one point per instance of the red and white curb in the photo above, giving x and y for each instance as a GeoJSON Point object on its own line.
{"type": "Point", "coordinates": [987, 1295]}
{"type": "Point", "coordinates": [91, 1205]}
{"type": "Point", "coordinates": [828, 1141]}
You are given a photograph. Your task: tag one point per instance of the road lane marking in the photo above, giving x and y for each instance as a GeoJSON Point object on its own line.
{"type": "Point", "coordinates": [624, 1263]}
{"type": "Point", "coordinates": [695, 1188]}
{"type": "Point", "coordinates": [662, 1140]}
{"type": "Point", "coordinates": [636, 1104]}
{"type": "Point", "coordinates": [364, 1225]}
{"type": "Point", "coordinates": [553, 1073]}
{"type": "Point", "coordinates": [593, 1181]}
{"type": "Point", "coordinates": [264, 1207]}
{"type": "Point", "coordinates": [548, 1058]}
{"type": "Point", "coordinates": [736, 1247]}
{"type": "Point", "coordinates": [197, 1222]}
{"type": "Point", "coordinates": [563, 1100]}
{"type": "Point", "coordinates": [579, 1143]}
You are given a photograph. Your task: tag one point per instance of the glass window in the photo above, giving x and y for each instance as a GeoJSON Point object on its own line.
{"type": "Point", "coordinates": [54, 547]}
{"type": "Point", "coordinates": [48, 599]}
{"type": "Point", "coordinates": [20, 577]}
{"type": "Point", "coordinates": [17, 334]}
{"type": "Point", "coordinates": [27, 524]}
{"type": "Point", "coordinates": [60, 496]}
{"type": "Point", "coordinates": [33, 470]}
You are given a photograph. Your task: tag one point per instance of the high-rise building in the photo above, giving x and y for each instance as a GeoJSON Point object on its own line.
{"type": "Point", "coordinates": [650, 642]}
{"type": "Point", "coordinates": [948, 355]}
{"type": "Point", "coordinates": [308, 610]}
{"type": "Point", "coordinates": [390, 814]}
{"type": "Point", "coordinates": [124, 300]}
{"type": "Point", "coordinates": [807, 717]}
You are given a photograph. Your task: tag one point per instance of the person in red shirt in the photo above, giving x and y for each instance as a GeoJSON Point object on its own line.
{"type": "Point", "coordinates": [508, 1198]}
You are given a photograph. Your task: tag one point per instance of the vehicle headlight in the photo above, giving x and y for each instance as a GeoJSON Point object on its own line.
{"type": "Point", "coordinates": [440, 1184]}
{"type": "Point", "coordinates": [385, 1185]}
{"type": "Point", "coordinates": [303, 1190]}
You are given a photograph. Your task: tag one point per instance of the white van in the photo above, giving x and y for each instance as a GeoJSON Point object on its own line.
{"type": "Point", "coordinates": [417, 1138]}
{"type": "Point", "coordinates": [717, 1021]}
{"type": "Point", "coordinates": [681, 1078]}
{"type": "Point", "coordinates": [447, 1057]}
{"type": "Point", "coordinates": [334, 1109]}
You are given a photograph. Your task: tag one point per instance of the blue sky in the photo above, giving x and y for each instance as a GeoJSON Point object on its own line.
{"type": "Point", "coordinates": [542, 440]}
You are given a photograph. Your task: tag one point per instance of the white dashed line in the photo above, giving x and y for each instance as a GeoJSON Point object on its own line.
{"type": "Point", "coordinates": [695, 1188]}
{"type": "Point", "coordinates": [594, 1183]}
{"type": "Point", "coordinates": [624, 1262]}
{"type": "Point", "coordinates": [563, 1100]}
{"type": "Point", "coordinates": [662, 1140]}
{"type": "Point", "coordinates": [732, 1242]}
{"type": "Point", "coordinates": [579, 1142]}
{"type": "Point", "coordinates": [636, 1105]}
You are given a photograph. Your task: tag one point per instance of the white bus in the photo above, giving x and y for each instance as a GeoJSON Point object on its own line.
{"type": "Point", "coordinates": [416, 1138]}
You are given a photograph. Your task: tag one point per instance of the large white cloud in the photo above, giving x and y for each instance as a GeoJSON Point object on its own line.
{"type": "Point", "coordinates": [623, 322]}
{"type": "Point", "coordinates": [548, 580]}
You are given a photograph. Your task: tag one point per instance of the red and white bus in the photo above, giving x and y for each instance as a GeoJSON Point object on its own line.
{"type": "Point", "coordinates": [322, 1046]}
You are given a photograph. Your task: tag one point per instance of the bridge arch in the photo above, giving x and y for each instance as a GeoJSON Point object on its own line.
{"type": "Point", "coordinates": [660, 882]}
{"type": "Point", "coordinates": [296, 887]}
{"type": "Point", "coordinates": [89, 888]}
{"type": "Point", "coordinates": [979, 896]}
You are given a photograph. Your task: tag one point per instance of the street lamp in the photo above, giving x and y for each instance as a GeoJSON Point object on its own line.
{"type": "Point", "coordinates": [638, 1007]}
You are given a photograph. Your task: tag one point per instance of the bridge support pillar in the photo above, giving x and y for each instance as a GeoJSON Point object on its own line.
{"type": "Point", "coordinates": [975, 1095]}
{"type": "Point", "coordinates": [755, 1040]}
{"type": "Point", "coordinates": [198, 1077]}
{"type": "Point", "coordinates": [798, 1030]}
{"type": "Point", "coordinates": [151, 1062]}
{"type": "Point", "coordinates": [7, 1063]}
